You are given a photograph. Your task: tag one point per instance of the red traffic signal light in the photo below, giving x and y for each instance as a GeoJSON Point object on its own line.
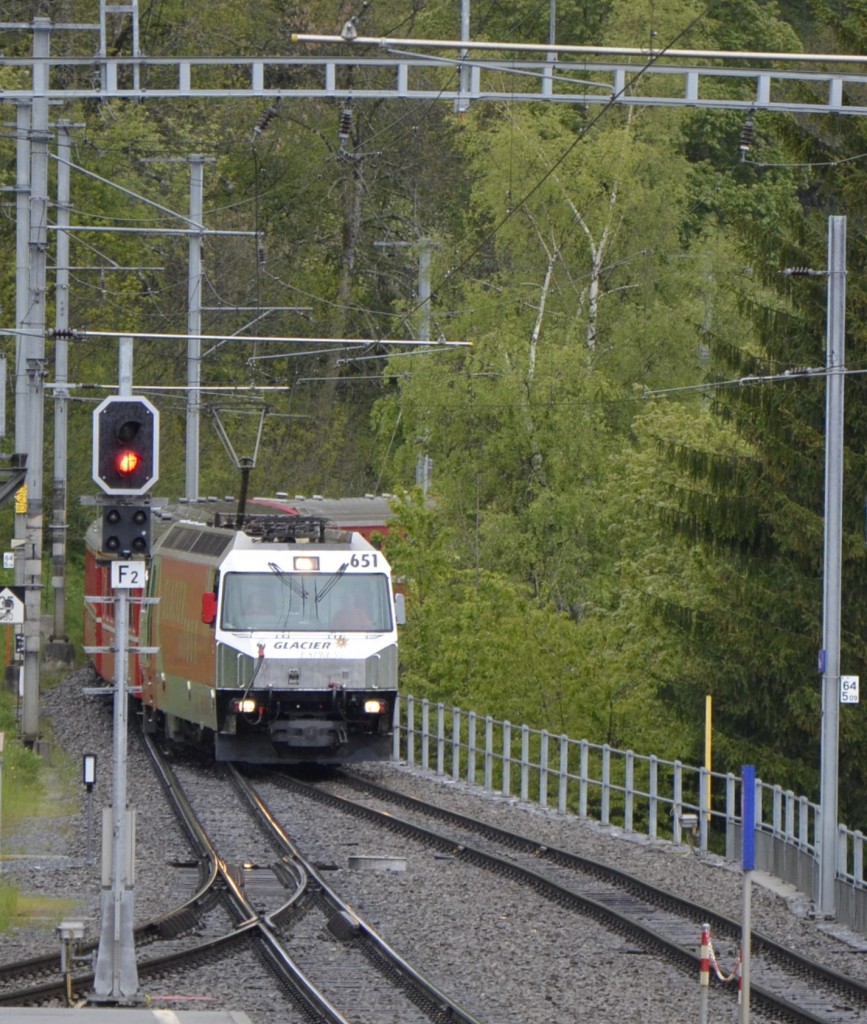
{"type": "Point", "coordinates": [125, 445]}
{"type": "Point", "coordinates": [127, 462]}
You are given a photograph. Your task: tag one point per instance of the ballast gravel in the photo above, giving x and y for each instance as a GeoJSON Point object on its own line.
{"type": "Point", "coordinates": [539, 980]}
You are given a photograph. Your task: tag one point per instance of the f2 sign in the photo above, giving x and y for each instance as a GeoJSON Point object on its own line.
{"type": "Point", "coordinates": [127, 575]}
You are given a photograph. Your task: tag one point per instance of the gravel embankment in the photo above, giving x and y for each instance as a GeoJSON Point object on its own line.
{"type": "Point", "coordinates": [49, 857]}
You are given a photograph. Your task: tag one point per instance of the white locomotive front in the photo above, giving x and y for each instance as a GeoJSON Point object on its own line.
{"type": "Point", "coordinates": [293, 657]}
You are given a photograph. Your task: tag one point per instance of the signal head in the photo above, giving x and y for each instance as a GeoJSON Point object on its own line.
{"type": "Point", "coordinates": [125, 445]}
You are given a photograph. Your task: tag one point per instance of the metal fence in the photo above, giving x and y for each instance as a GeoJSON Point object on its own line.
{"type": "Point", "coordinates": [638, 793]}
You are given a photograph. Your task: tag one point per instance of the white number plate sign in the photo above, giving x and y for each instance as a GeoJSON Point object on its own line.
{"type": "Point", "coordinates": [127, 575]}
{"type": "Point", "coordinates": [849, 689]}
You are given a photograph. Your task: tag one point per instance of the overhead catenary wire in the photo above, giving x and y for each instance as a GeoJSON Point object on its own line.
{"type": "Point", "coordinates": [649, 61]}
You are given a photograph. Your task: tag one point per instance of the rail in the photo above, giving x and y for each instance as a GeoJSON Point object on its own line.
{"type": "Point", "coordinates": [641, 794]}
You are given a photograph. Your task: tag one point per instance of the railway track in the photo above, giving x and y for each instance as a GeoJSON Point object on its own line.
{"type": "Point", "coordinates": [463, 952]}
{"type": "Point", "coordinates": [785, 985]}
{"type": "Point", "coordinates": [256, 888]}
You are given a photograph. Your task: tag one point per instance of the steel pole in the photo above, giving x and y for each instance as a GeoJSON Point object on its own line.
{"type": "Point", "coordinates": [834, 381]}
{"type": "Point", "coordinates": [116, 974]}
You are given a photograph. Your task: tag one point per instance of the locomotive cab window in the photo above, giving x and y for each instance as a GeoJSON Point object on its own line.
{"type": "Point", "coordinates": [306, 602]}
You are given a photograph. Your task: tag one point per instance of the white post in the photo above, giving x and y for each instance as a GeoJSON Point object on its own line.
{"type": "Point", "coordinates": [194, 326]}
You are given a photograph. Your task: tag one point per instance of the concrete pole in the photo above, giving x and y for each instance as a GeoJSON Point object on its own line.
{"type": "Point", "coordinates": [423, 467]}
{"type": "Point", "coordinates": [22, 301]}
{"type": "Point", "coordinates": [834, 386]}
{"type": "Point", "coordinates": [33, 345]}
{"type": "Point", "coordinates": [22, 285]}
{"type": "Point", "coordinates": [194, 327]}
{"type": "Point", "coordinates": [61, 391]}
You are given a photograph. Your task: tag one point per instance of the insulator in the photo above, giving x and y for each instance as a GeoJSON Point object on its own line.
{"type": "Point", "coordinates": [63, 332]}
{"type": "Point", "coordinates": [747, 135]}
{"type": "Point", "coordinates": [263, 122]}
{"type": "Point", "coordinates": [260, 253]}
{"type": "Point", "coordinates": [345, 129]}
{"type": "Point", "coordinates": [802, 272]}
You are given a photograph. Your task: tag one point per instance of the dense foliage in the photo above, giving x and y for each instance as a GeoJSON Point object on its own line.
{"type": "Point", "coordinates": [611, 531]}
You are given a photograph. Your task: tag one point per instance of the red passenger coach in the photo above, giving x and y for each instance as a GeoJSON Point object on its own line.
{"type": "Point", "coordinates": [369, 515]}
{"type": "Point", "coordinates": [99, 614]}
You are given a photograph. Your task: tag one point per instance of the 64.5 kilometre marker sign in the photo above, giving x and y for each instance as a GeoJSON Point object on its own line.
{"type": "Point", "coordinates": [849, 689]}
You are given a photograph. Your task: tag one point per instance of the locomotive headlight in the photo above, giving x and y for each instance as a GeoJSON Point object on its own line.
{"type": "Point", "coordinates": [306, 563]}
{"type": "Point", "coordinates": [246, 706]}
{"type": "Point", "coordinates": [375, 707]}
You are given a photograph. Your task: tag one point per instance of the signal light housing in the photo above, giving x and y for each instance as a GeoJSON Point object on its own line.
{"type": "Point", "coordinates": [126, 530]}
{"type": "Point", "coordinates": [125, 445]}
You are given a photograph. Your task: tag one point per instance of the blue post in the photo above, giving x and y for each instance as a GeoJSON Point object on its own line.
{"type": "Point", "coordinates": [748, 816]}
{"type": "Point", "coordinates": [748, 822]}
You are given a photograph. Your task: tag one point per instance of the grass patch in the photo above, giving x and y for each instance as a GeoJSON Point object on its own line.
{"type": "Point", "coordinates": [16, 909]}
{"type": "Point", "coordinates": [31, 788]}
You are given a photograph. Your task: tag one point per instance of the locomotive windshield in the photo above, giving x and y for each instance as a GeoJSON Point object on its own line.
{"type": "Point", "coordinates": [306, 602]}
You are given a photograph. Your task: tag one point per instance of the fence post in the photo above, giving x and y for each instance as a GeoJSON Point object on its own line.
{"type": "Point", "coordinates": [543, 769]}
{"type": "Point", "coordinates": [653, 787]}
{"type": "Point", "coordinates": [777, 811]}
{"type": "Point", "coordinates": [703, 809]}
{"type": "Point", "coordinates": [563, 796]}
{"type": "Point", "coordinates": [677, 805]}
{"type": "Point", "coordinates": [471, 747]}
{"type": "Point", "coordinates": [790, 816]}
{"type": "Point", "coordinates": [842, 851]}
{"type": "Point", "coordinates": [507, 758]}
{"type": "Point", "coordinates": [489, 753]}
{"type": "Point", "coordinates": [858, 858]}
{"type": "Point", "coordinates": [441, 738]}
{"type": "Point", "coordinates": [629, 791]}
{"type": "Point", "coordinates": [456, 743]}
{"type": "Point", "coordinates": [410, 730]}
{"type": "Point", "coordinates": [425, 729]}
{"type": "Point", "coordinates": [583, 779]}
{"type": "Point", "coordinates": [395, 730]}
{"type": "Point", "coordinates": [525, 763]}
{"type": "Point", "coordinates": [605, 811]}
{"type": "Point", "coordinates": [804, 823]}
{"type": "Point", "coordinates": [731, 816]}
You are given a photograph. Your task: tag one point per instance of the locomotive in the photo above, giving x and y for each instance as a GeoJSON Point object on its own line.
{"type": "Point", "coordinates": [270, 636]}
